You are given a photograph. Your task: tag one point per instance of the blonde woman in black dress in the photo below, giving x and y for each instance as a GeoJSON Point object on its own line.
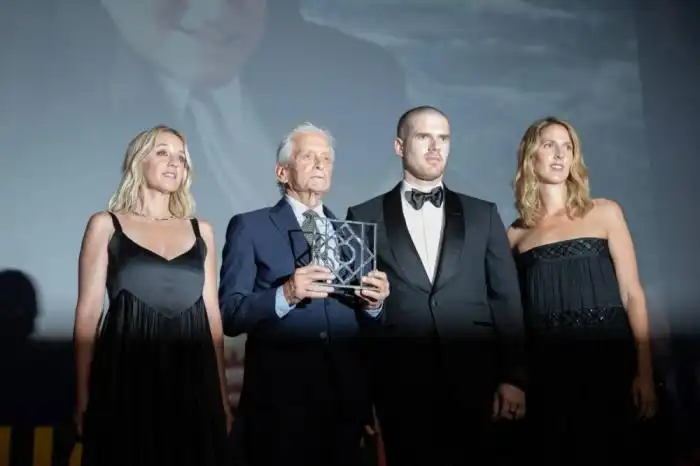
{"type": "Point", "coordinates": [150, 374]}
{"type": "Point", "coordinates": [586, 316]}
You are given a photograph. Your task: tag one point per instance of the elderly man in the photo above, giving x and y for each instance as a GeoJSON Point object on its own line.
{"type": "Point", "coordinates": [305, 398]}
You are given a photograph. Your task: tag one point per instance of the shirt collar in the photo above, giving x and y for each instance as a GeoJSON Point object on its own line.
{"type": "Point", "coordinates": [406, 186]}
{"type": "Point", "coordinates": [299, 209]}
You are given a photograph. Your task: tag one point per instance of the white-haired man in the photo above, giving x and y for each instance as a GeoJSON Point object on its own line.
{"type": "Point", "coordinates": [304, 399]}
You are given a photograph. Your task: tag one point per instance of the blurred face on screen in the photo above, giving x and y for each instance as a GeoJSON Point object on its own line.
{"type": "Point", "coordinates": [164, 168]}
{"type": "Point", "coordinates": [424, 147]}
{"type": "Point", "coordinates": [198, 42]}
{"type": "Point", "coordinates": [553, 157]}
{"type": "Point", "coordinates": [310, 168]}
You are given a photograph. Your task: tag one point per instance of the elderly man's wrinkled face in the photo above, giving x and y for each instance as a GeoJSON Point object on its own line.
{"type": "Point", "coordinates": [310, 168]}
{"type": "Point", "coordinates": [198, 42]}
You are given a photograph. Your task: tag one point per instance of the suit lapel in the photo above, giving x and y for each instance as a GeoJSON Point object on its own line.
{"type": "Point", "coordinates": [283, 218]}
{"type": "Point", "coordinates": [452, 240]}
{"type": "Point", "coordinates": [401, 244]}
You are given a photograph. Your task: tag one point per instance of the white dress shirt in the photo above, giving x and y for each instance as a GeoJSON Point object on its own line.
{"type": "Point", "coordinates": [281, 306]}
{"type": "Point", "coordinates": [425, 227]}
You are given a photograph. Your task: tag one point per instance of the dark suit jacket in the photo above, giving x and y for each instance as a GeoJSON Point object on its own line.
{"type": "Point", "coordinates": [474, 304]}
{"type": "Point", "coordinates": [312, 354]}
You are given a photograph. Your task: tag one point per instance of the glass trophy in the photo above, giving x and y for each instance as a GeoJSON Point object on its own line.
{"type": "Point", "coordinates": [347, 248]}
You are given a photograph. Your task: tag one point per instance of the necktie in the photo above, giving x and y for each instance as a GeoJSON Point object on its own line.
{"type": "Point", "coordinates": [307, 227]}
{"type": "Point", "coordinates": [417, 198]}
{"type": "Point", "coordinates": [318, 250]}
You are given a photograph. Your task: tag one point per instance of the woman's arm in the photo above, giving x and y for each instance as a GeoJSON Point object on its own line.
{"type": "Point", "coordinates": [514, 235]}
{"type": "Point", "coordinates": [631, 292]}
{"type": "Point", "coordinates": [211, 302]}
{"type": "Point", "coordinates": [92, 277]}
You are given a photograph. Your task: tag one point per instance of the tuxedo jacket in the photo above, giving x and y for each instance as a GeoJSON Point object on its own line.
{"type": "Point", "coordinates": [471, 311]}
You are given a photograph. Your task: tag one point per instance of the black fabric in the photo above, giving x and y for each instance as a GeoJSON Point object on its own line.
{"type": "Point", "coordinates": [582, 355]}
{"type": "Point", "coordinates": [154, 395]}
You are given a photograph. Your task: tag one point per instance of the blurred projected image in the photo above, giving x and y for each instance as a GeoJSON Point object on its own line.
{"type": "Point", "coordinates": [236, 75]}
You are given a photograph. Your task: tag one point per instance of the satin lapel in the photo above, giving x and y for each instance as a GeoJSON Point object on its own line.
{"type": "Point", "coordinates": [402, 246]}
{"type": "Point", "coordinates": [283, 218]}
{"type": "Point", "coordinates": [452, 240]}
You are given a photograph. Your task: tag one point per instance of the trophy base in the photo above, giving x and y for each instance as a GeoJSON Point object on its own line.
{"type": "Point", "coordinates": [344, 286]}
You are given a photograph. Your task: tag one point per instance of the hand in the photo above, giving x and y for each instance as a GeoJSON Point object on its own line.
{"type": "Point", "coordinates": [644, 395]}
{"type": "Point", "coordinates": [233, 365]}
{"type": "Point", "coordinates": [304, 283]}
{"type": "Point", "coordinates": [508, 402]}
{"type": "Point", "coordinates": [229, 418]}
{"type": "Point", "coordinates": [369, 431]}
{"type": "Point", "coordinates": [79, 414]}
{"type": "Point", "coordinates": [374, 297]}
{"type": "Point", "coordinates": [78, 420]}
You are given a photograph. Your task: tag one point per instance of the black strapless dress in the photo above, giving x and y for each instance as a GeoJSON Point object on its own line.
{"type": "Point", "coordinates": [582, 355]}
{"type": "Point", "coordinates": [154, 395]}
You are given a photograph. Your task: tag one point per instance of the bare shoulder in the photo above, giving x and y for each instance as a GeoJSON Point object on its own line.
{"type": "Point", "coordinates": [98, 232]}
{"type": "Point", "coordinates": [99, 224]}
{"type": "Point", "coordinates": [608, 211]}
{"type": "Point", "coordinates": [206, 229]}
{"type": "Point", "coordinates": [516, 232]}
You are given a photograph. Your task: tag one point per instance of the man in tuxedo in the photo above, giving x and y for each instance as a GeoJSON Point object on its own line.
{"type": "Point", "coordinates": [448, 359]}
{"type": "Point", "coordinates": [305, 399]}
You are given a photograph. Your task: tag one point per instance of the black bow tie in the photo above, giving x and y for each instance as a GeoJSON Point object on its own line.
{"type": "Point", "coordinates": [417, 198]}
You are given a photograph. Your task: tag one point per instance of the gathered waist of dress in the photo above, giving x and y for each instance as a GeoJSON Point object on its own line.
{"type": "Point", "coordinates": [581, 318]}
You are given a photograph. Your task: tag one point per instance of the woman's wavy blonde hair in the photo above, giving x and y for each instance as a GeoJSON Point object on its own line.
{"type": "Point", "coordinates": [127, 197]}
{"type": "Point", "coordinates": [526, 183]}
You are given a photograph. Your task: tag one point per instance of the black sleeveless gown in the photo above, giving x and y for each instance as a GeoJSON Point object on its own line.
{"type": "Point", "coordinates": [582, 355]}
{"type": "Point", "coordinates": [154, 395]}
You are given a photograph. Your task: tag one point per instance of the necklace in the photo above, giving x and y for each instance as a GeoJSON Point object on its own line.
{"type": "Point", "coordinates": [157, 219]}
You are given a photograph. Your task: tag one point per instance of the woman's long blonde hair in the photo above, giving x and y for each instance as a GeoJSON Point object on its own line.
{"type": "Point", "coordinates": [526, 184]}
{"type": "Point", "coordinates": [127, 197]}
